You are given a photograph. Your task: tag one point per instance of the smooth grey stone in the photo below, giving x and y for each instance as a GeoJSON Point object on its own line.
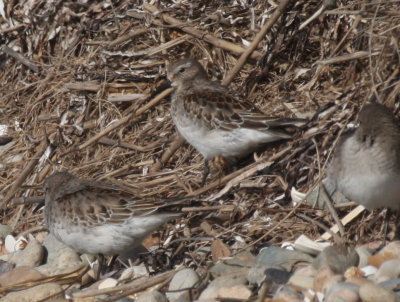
{"type": "Point", "coordinates": [225, 281]}
{"type": "Point", "coordinates": [337, 257]}
{"type": "Point", "coordinates": [37, 293]}
{"type": "Point", "coordinates": [286, 292]}
{"type": "Point", "coordinates": [31, 256]}
{"type": "Point", "coordinates": [371, 292]}
{"type": "Point", "coordinates": [390, 269]}
{"type": "Point", "coordinates": [153, 296]}
{"type": "Point", "coordinates": [60, 257]}
{"type": "Point", "coordinates": [276, 257]}
{"type": "Point", "coordinates": [240, 264]}
{"type": "Point", "coordinates": [5, 230]}
{"type": "Point", "coordinates": [184, 279]}
{"type": "Point", "coordinates": [363, 255]}
{"type": "Point", "coordinates": [346, 292]}
{"type": "Point", "coordinates": [393, 284]}
{"type": "Point", "coordinates": [6, 266]}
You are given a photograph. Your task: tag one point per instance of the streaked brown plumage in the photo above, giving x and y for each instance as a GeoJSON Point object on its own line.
{"type": "Point", "coordinates": [97, 218]}
{"type": "Point", "coordinates": [215, 120]}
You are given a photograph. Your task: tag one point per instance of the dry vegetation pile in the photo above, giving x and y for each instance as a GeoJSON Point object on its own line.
{"type": "Point", "coordinates": [83, 88]}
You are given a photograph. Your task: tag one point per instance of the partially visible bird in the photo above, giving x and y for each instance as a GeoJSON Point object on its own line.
{"type": "Point", "coordinates": [366, 163]}
{"type": "Point", "coordinates": [97, 218]}
{"type": "Point", "coordinates": [215, 120]}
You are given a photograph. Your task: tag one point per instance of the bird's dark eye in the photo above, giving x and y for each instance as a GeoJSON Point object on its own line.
{"type": "Point", "coordinates": [181, 69]}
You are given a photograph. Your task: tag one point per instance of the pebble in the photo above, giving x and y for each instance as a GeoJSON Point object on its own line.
{"type": "Point", "coordinates": [363, 255]}
{"type": "Point", "coordinates": [322, 275]}
{"type": "Point", "coordinates": [153, 296]}
{"type": "Point", "coordinates": [337, 257]}
{"type": "Point", "coordinates": [31, 256]}
{"type": "Point", "coordinates": [371, 292]}
{"type": "Point", "coordinates": [346, 292]}
{"type": "Point", "coordinates": [390, 269]}
{"type": "Point", "coordinates": [19, 274]}
{"type": "Point", "coordinates": [60, 258]}
{"type": "Point", "coordinates": [276, 257]}
{"type": "Point", "coordinates": [5, 230]}
{"type": "Point", "coordinates": [331, 282]}
{"type": "Point", "coordinates": [391, 251]}
{"type": "Point", "coordinates": [186, 278]}
{"type": "Point", "coordinates": [34, 294]}
{"type": "Point", "coordinates": [393, 284]}
{"type": "Point", "coordinates": [288, 293]}
{"type": "Point", "coordinates": [5, 267]}
{"type": "Point", "coordinates": [369, 270]}
{"type": "Point", "coordinates": [240, 264]}
{"type": "Point", "coordinates": [303, 277]}
{"type": "Point", "coordinates": [225, 281]}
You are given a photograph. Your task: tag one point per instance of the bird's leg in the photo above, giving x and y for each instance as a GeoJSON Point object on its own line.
{"type": "Point", "coordinates": [397, 230]}
{"type": "Point", "coordinates": [205, 172]}
{"type": "Point", "coordinates": [101, 261]}
{"type": "Point", "coordinates": [389, 213]}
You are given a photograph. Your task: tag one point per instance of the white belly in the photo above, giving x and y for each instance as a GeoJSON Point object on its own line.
{"type": "Point", "coordinates": [210, 143]}
{"type": "Point", "coordinates": [373, 190]}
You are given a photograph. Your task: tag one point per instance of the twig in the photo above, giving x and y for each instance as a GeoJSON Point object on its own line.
{"type": "Point", "coordinates": [345, 220]}
{"type": "Point", "coordinates": [320, 225]}
{"type": "Point", "coordinates": [128, 289]}
{"type": "Point", "coordinates": [329, 204]}
{"type": "Point", "coordinates": [128, 36]}
{"type": "Point", "coordinates": [27, 199]}
{"type": "Point", "coordinates": [175, 145]}
{"type": "Point", "coordinates": [260, 35]}
{"type": "Point", "coordinates": [25, 173]}
{"type": "Point", "coordinates": [28, 63]}
{"type": "Point", "coordinates": [236, 173]}
{"type": "Point", "coordinates": [123, 120]}
{"type": "Point", "coordinates": [86, 86]}
{"type": "Point", "coordinates": [113, 142]}
{"type": "Point", "coordinates": [223, 208]}
{"type": "Point", "coordinates": [348, 57]}
{"type": "Point", "coordinates": [198, 34]}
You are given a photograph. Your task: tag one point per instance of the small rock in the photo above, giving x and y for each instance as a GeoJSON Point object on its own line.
{"type": "Point", "coordinates": [240, 264]}
{"type": "Point", "coordinates": [353, 272]}
{"type": "Point", "coordinates": [288, 293]}
{"type": "Point", "coordinates": [390, 269]}
{"type": "Point", "coordinates": [236, 292]}
{"type": "Point", "coordinates": [346, 292]}
{"type": "Point", "coordinates": [31, 256]}
{"type": "Point", "coordinates": [60, 258]}
{"type": "Point", "coordinates": [363, 255]}
{"type": "Point", "coordinates": [186, 278]}
{"type": "Point", "coordinates": [5, 230]}
{"type": "Point", "coordinates": [153, 296]}
{"type": "Point", "coordinates": [369, 270]}
{"type": "Point", "coordinates": [34, 294]}
{"type": "Point", "coordinates": [391, 251]}
{"type": "Point", "coordinates": [279, 276]}
{"type": "Point", "coordinates": [5, 267]}
{"type": "Point", "coordinates": [337, 257]}
{"type": "Point", "coordinates": [371, 292]}
{"type": "Point", "coordinates": [330, 282]}
{"type": "Point", "coordinates": [357, 280]}
{"type": "Point", "coordinates": [107, 283]}
{"type": "Point", "coordinates": [226, 281]}
{"type": "Point", "coordinates": [303, 277]}
{"type": "Point", "coordinates": [393, 284]}
{"type": "Point", "coordinates": [19, 275]}
{"type": "Point", "coordinates": [323, 274]}
{"type": "Point", "coordinates": [276, 257]}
